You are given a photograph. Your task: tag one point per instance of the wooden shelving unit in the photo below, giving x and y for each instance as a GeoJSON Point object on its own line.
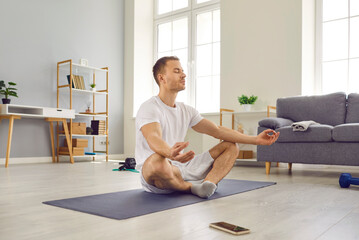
{"type": "Point", "coordinates": [65, 88]}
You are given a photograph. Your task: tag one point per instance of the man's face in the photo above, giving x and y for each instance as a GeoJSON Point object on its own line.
{"type": "Point", "coordinates": [173, 78]}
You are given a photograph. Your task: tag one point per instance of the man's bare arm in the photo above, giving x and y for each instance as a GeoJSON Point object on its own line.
{"type": "Point", "coordinates": [208, 127]}
{"type": "Point", "coordinates": [153, 135]}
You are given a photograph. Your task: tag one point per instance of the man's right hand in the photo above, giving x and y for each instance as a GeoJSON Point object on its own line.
{"type": "Point", "coordinates": [177, 156]}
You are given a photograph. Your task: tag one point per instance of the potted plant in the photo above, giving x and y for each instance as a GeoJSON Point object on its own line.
{"type": "Point", "coordinates": [247, 102]}
{"type": "Point", "coordinates": [7, 91]}
{"type": "Point", "coordinates": [93, 87]}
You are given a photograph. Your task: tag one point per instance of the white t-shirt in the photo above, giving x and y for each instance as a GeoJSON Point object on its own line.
{"type": "Point", "coordinates": [174, 121]}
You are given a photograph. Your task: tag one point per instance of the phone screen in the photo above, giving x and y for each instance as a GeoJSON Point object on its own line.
{"type": "Point", "coordinates": [230, 227]}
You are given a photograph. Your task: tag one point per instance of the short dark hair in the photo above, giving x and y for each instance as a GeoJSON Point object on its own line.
{"type": "Point", "coordinates": [160, 66]}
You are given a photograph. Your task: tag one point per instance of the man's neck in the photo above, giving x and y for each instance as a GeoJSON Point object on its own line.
{"type": "Point", "coordinates": [168, 98]}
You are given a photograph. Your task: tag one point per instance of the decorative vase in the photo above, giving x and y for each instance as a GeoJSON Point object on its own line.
{"type": "Point", "coordinates": [247, 107]}
{"type": "Point", "coordinates": [89, 131]}
{"type": "Point", "coordinates": [6, 100]}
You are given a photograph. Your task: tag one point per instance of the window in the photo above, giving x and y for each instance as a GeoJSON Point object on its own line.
{"type": "Point", "coordinates": [190, 30]}
{"type": "Point", "coordinates": [338, 38]}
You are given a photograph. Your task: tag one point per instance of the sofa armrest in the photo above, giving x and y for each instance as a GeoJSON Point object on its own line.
{"type": "Point", "coordinates": [274, 122]}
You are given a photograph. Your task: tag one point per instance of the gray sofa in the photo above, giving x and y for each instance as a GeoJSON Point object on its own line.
{"type": "Point", "coordinates": [334, 141]}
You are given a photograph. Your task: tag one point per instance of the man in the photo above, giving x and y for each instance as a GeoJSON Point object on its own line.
{"type": "Point", "coordinates": [161, 126]}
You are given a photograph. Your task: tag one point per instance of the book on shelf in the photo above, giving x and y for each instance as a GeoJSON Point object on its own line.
{"type": "Point", "coordinates": [82, 82]}
{"type": "Point", "coordinates": [98, 127]}
{"type": "Point", "coordinates": [97, 122]}
{"type": "Point", "coordinates": [77, 81]}
{"type": "Point", "coordinates": [68, 79]}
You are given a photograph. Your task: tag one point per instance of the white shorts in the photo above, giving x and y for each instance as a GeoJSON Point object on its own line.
{"type": "Point", "coordinates": [192, 171]}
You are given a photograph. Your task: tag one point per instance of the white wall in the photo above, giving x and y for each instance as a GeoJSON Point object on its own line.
{"type": "Point", "coordinates": [260, 50]}
{"type": "Point", "coordinates": [34, 36]}
{"type": "Point", "coordinates": [308, 47]}
{"type": "Point", "coordinates": [138, 63]}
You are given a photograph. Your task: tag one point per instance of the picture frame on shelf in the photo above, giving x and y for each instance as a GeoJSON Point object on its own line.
{"type": "Point", "coordinates": [84, 62]}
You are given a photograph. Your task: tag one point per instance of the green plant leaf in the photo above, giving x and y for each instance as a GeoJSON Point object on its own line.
{"type": "Point", "coordinates": [247, 100]}
{"type": "Point", "coordinates": [8, 91]}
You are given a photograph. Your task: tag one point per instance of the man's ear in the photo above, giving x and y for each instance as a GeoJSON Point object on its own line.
{"type": "Point", "coordinates": [161, 78]}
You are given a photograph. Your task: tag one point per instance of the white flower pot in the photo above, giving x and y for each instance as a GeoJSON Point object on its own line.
{"type": "Point", "coordinates": [93, 89]}
{"type": "Point", "coordinates": [247, 107]}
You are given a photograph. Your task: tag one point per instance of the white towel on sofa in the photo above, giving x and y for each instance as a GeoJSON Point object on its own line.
{"type": "Point", "coordinates": [303, 125]}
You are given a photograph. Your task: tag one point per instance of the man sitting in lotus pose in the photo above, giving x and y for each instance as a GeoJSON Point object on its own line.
{"type": "Point", "coordinates": [161, 126]}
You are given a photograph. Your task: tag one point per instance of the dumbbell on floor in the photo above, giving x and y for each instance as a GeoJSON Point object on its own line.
{"type": "Point", "coordinates": [346, 179]}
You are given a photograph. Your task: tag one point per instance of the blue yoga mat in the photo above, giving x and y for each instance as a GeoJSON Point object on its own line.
{"type": "Point", "coordinates": [133, 203]}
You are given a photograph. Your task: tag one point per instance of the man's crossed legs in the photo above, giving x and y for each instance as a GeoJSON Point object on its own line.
{"type": "Point", "coordinates": [161, 173]}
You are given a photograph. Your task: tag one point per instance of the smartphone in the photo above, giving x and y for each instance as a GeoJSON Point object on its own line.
{"type": "Point", "coordinates": [227, 227]}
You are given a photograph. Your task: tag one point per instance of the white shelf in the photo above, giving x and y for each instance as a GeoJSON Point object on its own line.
{"type": "Point", "coordinates": [83, 135]}
{"type": "Point", "coordinates": [65, 89]}
{"type": "Point", "coordinates": [89, 115]}
{"type": "Point", "coordinates": [237, 112]}
{"type": "Point", "coordinates": [84, 156]}
{"type": "Point", "coordinates": [247, 159]}
{"type": "Point", "coordinates": [75, 90]}
{"type": "Point", "coordinates": [84, 67]}
{"type": "Point", "coordinates": [245, 112]}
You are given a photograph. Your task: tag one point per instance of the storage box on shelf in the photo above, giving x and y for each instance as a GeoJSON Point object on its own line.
{"type": "Point", "coordinates": [77, 142]}
{"type": "Point", "coordinates": [77, 127]}
{"type": "Point", "coordinates": [245, 154]}
{"type": "Point", "coordinates": [80, 77]}
{"type": "Point", "coordinates": [76, 151]}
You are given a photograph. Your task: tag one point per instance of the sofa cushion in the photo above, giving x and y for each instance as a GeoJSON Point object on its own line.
{"type": "Point", "coordinates": [274, 123]}
{"type": "Point", "coordinates": [353, 108]}
{"type": "Point", "coordinates": [346, 132]}
{"type": "Point", "coordinates": [315, 133]}
{"type": "Point", "coordinates": [327, 109]}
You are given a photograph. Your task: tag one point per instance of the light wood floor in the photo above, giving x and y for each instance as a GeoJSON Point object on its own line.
{"type": "Point", "coordinates": [306, 204]}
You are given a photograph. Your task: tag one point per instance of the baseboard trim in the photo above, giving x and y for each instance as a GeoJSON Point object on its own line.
{"type": "Point", "coordinates": [32, 160]}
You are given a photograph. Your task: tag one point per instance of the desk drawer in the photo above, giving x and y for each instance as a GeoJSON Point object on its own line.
{"type": "Point", "coordinates": [59, 113]}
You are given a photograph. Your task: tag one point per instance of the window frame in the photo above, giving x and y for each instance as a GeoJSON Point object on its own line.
{"type": "Point", "coordinates": [318, 83]}
{"type": "Point", "coordinates": [155, 48]}
{"type": "Point", "coordinates": [191, 12]}
{"type": "Point", "coordinates": [195, 12]}
{"type": "Point", "coordinates": [172, 13]}
{"type": "Point", "coordinates": [319, 46]}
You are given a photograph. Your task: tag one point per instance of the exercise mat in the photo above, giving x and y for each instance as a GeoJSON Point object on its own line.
{"type": "Point", "coordinates": [133, 203]}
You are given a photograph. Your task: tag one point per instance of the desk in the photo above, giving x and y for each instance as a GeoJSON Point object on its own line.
{"type": "Point", "coordinates": [12, 112]}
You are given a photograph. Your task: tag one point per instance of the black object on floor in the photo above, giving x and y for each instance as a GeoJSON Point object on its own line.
{"type": "Point", "coordinates": [133, 203]}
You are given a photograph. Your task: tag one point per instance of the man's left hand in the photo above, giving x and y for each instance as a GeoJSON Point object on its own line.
{"type": "Point", "coordinates": [265, 139]}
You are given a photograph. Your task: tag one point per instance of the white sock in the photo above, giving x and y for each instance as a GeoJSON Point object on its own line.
{"type": "Point", "coordinates": [204, 189]}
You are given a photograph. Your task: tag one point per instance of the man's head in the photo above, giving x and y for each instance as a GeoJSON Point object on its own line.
{"type": "Point", "coordinates": [168, 72]}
